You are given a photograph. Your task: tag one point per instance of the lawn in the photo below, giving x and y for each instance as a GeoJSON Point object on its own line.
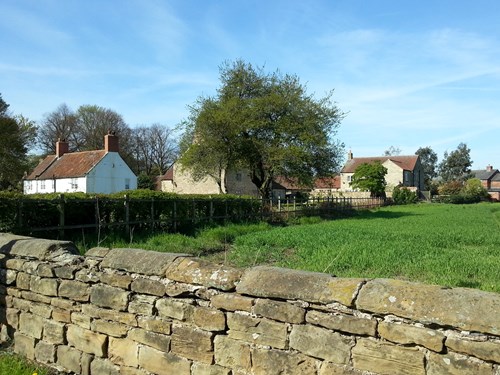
{"type": "Point", "coordinates": [449, 245]}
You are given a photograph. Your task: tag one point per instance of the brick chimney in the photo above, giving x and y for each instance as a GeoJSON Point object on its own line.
{"type": "Point", "coordinates": [62, 147]}
{"type": "Point", "coordinates": [349, 155]}
{"type": "Point", "coordinates": [111, 142]}
{"type": "Point", "coordinates": [489, 168]}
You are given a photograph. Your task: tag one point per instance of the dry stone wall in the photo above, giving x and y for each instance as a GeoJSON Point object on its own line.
{"type": "Point", "coordinates": [134, 312]}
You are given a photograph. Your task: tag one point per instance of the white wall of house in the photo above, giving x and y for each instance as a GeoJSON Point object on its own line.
{"type": "Point", "coordinates": [60, 185]}
{"type": "Point", "coordinates": [110, 175]}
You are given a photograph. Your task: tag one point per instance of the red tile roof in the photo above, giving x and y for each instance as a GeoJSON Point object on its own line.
{"type": "Point", "coordinates": [73, 164]}
{"type": "Point", "coordinates": [169, 174]}
{"type": "Point", "coordinates": [327, 183]}
{"type": "Point", "coordinates": [406, 163]}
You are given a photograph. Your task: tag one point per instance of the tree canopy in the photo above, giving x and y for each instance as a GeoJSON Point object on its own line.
{"type": "Point", "coordinates": [428, 159]}
{"type": "Point", "coordinates": [265, 123]}
{"type": "Point", "coordinates": [455, 166]}
{"type": "Point", "coordinates": [370, 177]}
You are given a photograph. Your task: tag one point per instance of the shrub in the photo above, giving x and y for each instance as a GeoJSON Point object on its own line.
{"type": "Point", "coordinates": [403, 195]}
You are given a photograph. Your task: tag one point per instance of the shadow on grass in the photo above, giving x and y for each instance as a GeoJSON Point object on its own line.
{"type": "Point", "coordinates": [382, 214]}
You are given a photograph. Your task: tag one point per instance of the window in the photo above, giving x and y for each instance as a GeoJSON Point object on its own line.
{"type": "Point", "coordinates": [74, 183]}
{"type": "Point", "coordinates": [127, 183]}
{"type": "Point", "coordinates": [349, 178]}
{"type": "Point", "coordinates": [42, 185]}
{"type": "Point", "coordinates": [407, 176]}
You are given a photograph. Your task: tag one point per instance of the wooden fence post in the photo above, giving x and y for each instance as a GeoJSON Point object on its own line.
{"type": "Point", "coordinates": [127, 214]}
{"type": "Point", "coordinates": [174, 214]}
{"type": "Point", "coordinates": [60, 207]}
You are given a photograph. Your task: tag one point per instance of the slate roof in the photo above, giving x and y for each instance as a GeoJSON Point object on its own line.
{"type": "Point", "coordinates": [69, 165]}
{"type": "Point", "coordinates": [406, 163]}
{"type": "Point", "coordinates": [483, 174]}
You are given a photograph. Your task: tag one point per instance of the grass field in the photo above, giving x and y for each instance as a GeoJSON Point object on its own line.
{"type": "Point", "coordinates": [12, 364]}
{"type": "Point", "coordinates": [450, 245]}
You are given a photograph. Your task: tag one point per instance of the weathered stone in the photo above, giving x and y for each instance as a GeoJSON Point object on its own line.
{"type": "Point", "coordinates": [74, 290]}
{"type": "Point", "coordinates": [45, 270]}
{"type": "Point", "coordinates": [44, 286]}
{"type": "Point", "coordinates": [61, 315]}
{"type": "Point", "coordinates": [24, 345]}
{"type": "Point", "coordinates": [23, 280]}
{"type": "Point", "coordinates": [321, 343]}
{"type": "Point", "coordinates": [7, 277]}
{"type": "Point", "coordinates": [139, 261]}
{"type": "Point", "coordinates": [123, 352]}
{"type": "Point", "coordinates": [273, 282]}
{"type": "Point", "coordinates": [329, 368]}
{"type": "Point", "coordinates": [66, 272]}
{"type": "Point", "coordinates": [35, 297]}
{"type": "Point", "coordinates": [37, 248]}
{"type": "Point", "coordinates": [45, 352]}
{"type": "Point", "coordinates": [31, 325]}
{"type": "Point", "coordinates": [87, 341]}
{"type": "Point", "coordinates": [141, 304]}
{"type": "Point", "coordinates": [453, 364]}
{"type": "Point", "coordinates": [12, 317]}
{"type": "Point", "coordinates": [201, 272]}
{"type": "Point", "coordinates": [64, 304]}
{"type": "Point", "coordinates": [69, 358]}
{"type": "Point", "coordinates": [109, 328]}
{"type": "Point", "coordinates": [87, 275]}
{"type": "Point", "coordinates": [98, 252]}
{"type": "Point", "coordinates": [232, 302]}
{"type": "Point", "coordinates": [85, 362]}
{"type": "Point", "coordinates": [21, 304]}
{"type": "Point", "coordinates": [192, 343]}
{"type": "Point", "coordinates": [204, 369]}
{"type": "Point", "coordinates": [103, 366]}
{"type": "Point", "coordinates": [153, 339]}
{"type": "Point", "coordinates": [343, 323]}
{"type": "Point", "coordinates": [209, 319]}
{"type": "Point", "coordinates": [281, 311]}
{"type": "Point", "coordinates": [163, 363]}
{"type": "Point", "coordinates": [15, 264]}
{"type": "Point", "coordinates": [386, 358]}
{"type": "Point", "coordinates": [466, 309]}
{"type": "Point", "coordinates": [132, 371]}
{"type": "Point", "coordinates": [53, 332]}
{"type": "Point", "coordinates": [260, 331]}
{"type": "Point", "coordinates": [81, 320]}
{"type": "Point", "coordinates": [14, 292]}
{"type": "Point", "coordinates": [108, 296]}
{"type": "Point", "coordinates": [147, 286]}
{"type": "Point", "coordinates": [176, 309]}
{"type": "Point", "coordinates": [275, 362]}
{"type": "Point", "coordinates": [42, 310]}
{"type": "Point", "coordinates": [174, 289]}
{"type": "Point", "coordinates": [155, 325]}
{"type": "Point", "coordinates": [116, 280]}
{"type": "Point", "coordinates": [122, 317]}
{"type": "Point", "coordinates": [407, 334]}
{"type": "Point", "coordinates": [232, 353]}
{"type": "Point", "coordinates": [487, 350]}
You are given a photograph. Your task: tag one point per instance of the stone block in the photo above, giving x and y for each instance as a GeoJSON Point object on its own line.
{"type": "Point", "coordinates": [232, 302]}
{"type": "Point", "coordinates": [35, 297]}
{"type": "Point", "coordinates": [115, 279]}
{"type": "Point", "coordinates": [343, 323]}
{"type": "Point", "coordinates": [114, 329]}
{"type": "Point", "coordinates": [487, 350]}
{"type": "Point", "coordinates": [7, 277]}
{"type": "Point", "coordinates": [106, 314]}
{"type": "Point", "coordinates": [139, 261]}
{"type": "Point", "coordinates": [275, 362]}
{"type": "Point", "coordinates": [231, 353]}
{"type": "Point", "coordinates": [45, 352]}
{"type": "Point", "coordinates": [87, 341]}
{"type": "Point", "coordinates": [74, 290]}
{"type": "Point", "coordinates": [159, 362]}
{"type": "Point", "coordinates": [204, 369]}
{"type": "Point", "coordinates": [176, 309]}
{"type": "Point", "coordinates": [148, 286]}
{"type": "Point", "coordinates": [42, 310]}
{"type": "Point", "coordinates": [23, 280]}
{"type": "Point", "coordinates": [192, 343]}
{"type": "Point", "coordinates": [321, 343]}
{"type": "Point", "coordinates": [123, 352]}
{"type": "Point", "coordinates": [31, 325]}
{"type": "Point", "coordinates": [104, 366]}
{"type": "Point", "coordinates": [97, 252]}
{"type": "Point", "coordinates": [61, 315]}
{"type": "Point", "coordinates": [329, 368]}
{"type": "Point", "coordinates": [66, 271]}
{"type": "Point", "coordinates": [132, 371]}
{"type": "Point", "coordinates": [41, 249]}
{"type": "Point", "coordinates": [155, 325]}
{"type": "Point", "coordinates": [15, 264]}
{"type": "Point", "coordinates": [153, 339]}
{"type": "Point", "coordinates": [24, 345]}
{"type": "Point", "coordinates": [47, 287]}
{"type": "Point", "coordinates": [209, 319]}
{"type": "Point", "coordinates": [21, 304]}
{"type": "Point", "coordinates": [45, 270]}
{"type": "Point", "coordinates": [141, 304]}
{"type": "Point", "coordinates": [69, 358]}
{"type": "Point", "coordinates": [282, 311]}
{"type": "Point", "coordinates": [259, 331]}
{"type": "Point", "coordinates": [81, 320]}
{"type": "Point", "coordinates": [12, 317]}
{"type": "Point", "coordinates": [453, 364]}
{"type": "Point", "coordinates": [407, 334]}
{"type": "Point", "coordinates": [201, 272]}
{"type": "Point", "coordinates": [386, 358]}
{"type": "Point", "coordinates": [54, 332]}
{"type": "Point", "coordinates": [465, 309]}
{"type": "Point", "coordinates": [110, 297]}
{"type": "Point", "coordinates": [281, 283]}
{"type": "Point", "coordinates": [65, 304]}
{"type": "Point", "coordinates": [86, 275]}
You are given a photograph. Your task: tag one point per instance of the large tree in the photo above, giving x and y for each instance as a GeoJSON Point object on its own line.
{"type": "Point", "coordinates": [428, 159]}
{"type": "Point", "coordinates": [370, 177]}
{"type": "Point", "coordinates": [59, 124]}
{"type": "Point", "coordinates": [455, 166]}
{"type": "Point", "coordinates": [265, 123]}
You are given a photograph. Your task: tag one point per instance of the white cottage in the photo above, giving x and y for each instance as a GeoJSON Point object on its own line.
{"type": "Point", "coordinates": [99, 171]}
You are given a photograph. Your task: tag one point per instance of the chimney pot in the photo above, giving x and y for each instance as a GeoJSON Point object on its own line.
{"type": "Point", "coordinates": [489, 168]}
{"type": "Point", "coordinates": [349, 155]}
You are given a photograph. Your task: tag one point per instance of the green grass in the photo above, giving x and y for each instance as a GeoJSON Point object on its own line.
{"type": "Point", "coordinates": [15, 365]}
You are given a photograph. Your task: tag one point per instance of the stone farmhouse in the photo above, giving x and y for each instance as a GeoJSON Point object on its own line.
{"type": "Point", "coordinates": [401, 171]}
{"type": "Point", "coordinates": [490, 179]}
{"type": "Point", "coordinates": [99, 171]}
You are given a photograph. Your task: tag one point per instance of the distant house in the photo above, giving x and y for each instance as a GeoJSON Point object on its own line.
{"type": "Point", "coordinates": [490, 179]}
{"type": "Point", "coordinates": [99, 171]}
{"type": "Point", "coordinates": [326, 186]}
{"type": "Point", "coordinates": [401, 171]}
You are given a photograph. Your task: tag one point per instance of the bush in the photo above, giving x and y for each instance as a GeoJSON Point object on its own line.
{"type": "Point", "coordinates": [403, 195]}
{"type": "Point", "coordinates": [456, 192]}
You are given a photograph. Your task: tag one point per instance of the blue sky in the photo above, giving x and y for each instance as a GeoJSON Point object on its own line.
{"type": "Point", "coordinates": [409, 73]}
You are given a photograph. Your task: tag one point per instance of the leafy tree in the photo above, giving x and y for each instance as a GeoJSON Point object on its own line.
{"type": "Point", "coordinates": [392, 151]}
{"type": "Point", "coordinates": [453, 187]}
{"type": "Point", "coordinates": [403, 195]}
{"type": "Point", "coordinates": [456, 165]}
{"type": "Point", "coordinates": [370, 177]}
{"type": "Point", "coordinates": [474, 187]}
{"type": "Point", "coordinates": [265, 123]}
{"type": "Point", "coordinates": [428, 159]}
{"type": "Point", "coordinates": [3, 107]}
